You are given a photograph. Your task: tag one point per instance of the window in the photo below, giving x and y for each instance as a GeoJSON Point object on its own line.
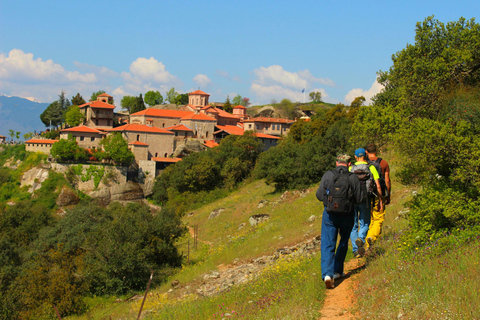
{"type": "Point", "coordinates": [82, 138]}
{"type": "Point", "coordinates": [92, 139]}
{"type": "Point", "coordinates": [156, 154]}
{"type": "Point", "coordinates": [250, 126]}
{"type": "Point", "coordinates": [138, 137]}
{"type": "Point", "coordinates": [278, 127]}
{"type": "Point", "coordinates": [258, 127]}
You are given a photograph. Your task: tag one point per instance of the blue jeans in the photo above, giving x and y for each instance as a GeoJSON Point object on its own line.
{"type": "Point", "coordinates": [332, 225]}
{"type": "Point", "coordinates": [361, 223]}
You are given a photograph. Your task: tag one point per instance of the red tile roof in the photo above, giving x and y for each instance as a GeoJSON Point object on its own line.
{"type": "Point", "coordinates": [265, 136]}
{"type": "Point", "coordinates": [140, 128]}
{"type": "Point", "coordinates": [239, 107]}
{"type": "Point", "coordinates": [158, 159]}
{"type": "Point", "coordinates": [199, 116]}
{"type": "Point", "coordinates": [104, 95]}
{"type": "Point", "coordinates": [82, 128]}
{"type": "Point", "coordinates": [270, 120]}
{"type": "Point", "coordinates": [44, 141]}
{"type": "Point", "coordinates": [138, 143]}
{"type": "Point", "coordinates": [162, 113]}
{"type": "Point", "coordinates": [98, 105]}
{"type": "Point", "coordinates": [179, 127]}
{"type": "Point", "coordinates": [230, 130]}
{"type": "Point", "coordinates": [210, 144]}
{"type": "Point", "coordinates": [225, 114]}
{"type": "Point", "coordinates": [200, 92]}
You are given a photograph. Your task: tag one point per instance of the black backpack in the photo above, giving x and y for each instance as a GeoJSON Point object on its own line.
{"type": "Point", "coordinates": [337, 198]}
{"type": "Point", "coordinates": [377, 166]}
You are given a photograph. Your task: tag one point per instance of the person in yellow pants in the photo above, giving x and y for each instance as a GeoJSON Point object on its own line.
{"type": "Point", "coordinates": [377, 215]}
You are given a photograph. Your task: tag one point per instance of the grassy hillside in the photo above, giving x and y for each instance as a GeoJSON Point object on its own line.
{"type": "Point", "coordinates": [394, 285]}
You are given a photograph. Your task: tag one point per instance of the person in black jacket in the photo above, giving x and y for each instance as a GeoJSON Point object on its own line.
{"type": "Point", "coordinates": [339, 190]}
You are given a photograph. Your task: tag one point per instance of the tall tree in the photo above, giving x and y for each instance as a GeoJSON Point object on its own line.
{"type": "Point", "coordinates": [139, 105]}
{"type": "Point", "coordinates": [116, 149]}
{"type": "Point", "coordinates": [171, 95]}
{"type": "Point", "coordinates": [95, 94]}
{"type": "Point", "coordinates": [128, 102]}
{"type": "Point", "coordinates": [443, 57]}
{"type": "Point", "coordinates": [52, 115]}
{"type": "Point", "coordinates": [237, 100]}
{"type": "Point", "coordinates": [78, 100]}
{"type": "Point", "coordinates": [315, 96]}
{"type": "Point", "coordinates": [227, 106]}
{"type": "Point", "coordinates": [153, 98]}
{"type": "Point", "coordinates": [73, 116]}
{"type": "Point", "coordinates": [181, 99]}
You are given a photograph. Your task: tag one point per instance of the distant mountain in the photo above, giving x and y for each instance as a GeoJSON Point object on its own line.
{"type": "Point", "coordinates": [20, 114]}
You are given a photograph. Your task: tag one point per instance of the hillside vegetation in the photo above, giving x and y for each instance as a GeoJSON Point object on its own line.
{"type": "Point", "coordinates": [89, 260]}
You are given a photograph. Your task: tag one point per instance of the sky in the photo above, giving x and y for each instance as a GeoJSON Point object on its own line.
{"type": "Point", "coordinates": [263, 50]}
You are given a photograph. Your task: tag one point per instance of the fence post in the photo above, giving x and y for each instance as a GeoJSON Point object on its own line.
{"type": "Point", "coordinates": [145, 297]}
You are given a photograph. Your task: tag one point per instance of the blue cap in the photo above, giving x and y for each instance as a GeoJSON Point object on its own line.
{"type": "Point", "coordinates": [360, 152]}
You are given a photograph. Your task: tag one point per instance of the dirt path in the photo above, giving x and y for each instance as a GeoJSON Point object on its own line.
{"type": "Point", "coordinates": [340, 300]}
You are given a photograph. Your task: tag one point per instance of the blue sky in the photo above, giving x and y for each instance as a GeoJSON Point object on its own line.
{"type": "Point", "coordinates": [264, 50]}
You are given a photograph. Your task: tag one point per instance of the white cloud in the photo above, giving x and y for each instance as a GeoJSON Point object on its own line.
{"type": "Point", "coordinates": [101, 71]}
{"type": "Point", "coordinates": [274, 82]}
{"type": "Point", "coordinates": [21, 67]}
{"type": "Point", "coordinates": [368, 94]}
{"type": "Point", "coordinates": [276, 75]}
{"type": "Point", "coordinates": [202, 80]}
{"type": "Point", "coordinates": [146, 74]}
{"type": "Point", "coordinates": [277, 92]}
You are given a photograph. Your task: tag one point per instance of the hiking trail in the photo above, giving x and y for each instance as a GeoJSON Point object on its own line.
{"type": "Point", "coordinates": [339, 302]}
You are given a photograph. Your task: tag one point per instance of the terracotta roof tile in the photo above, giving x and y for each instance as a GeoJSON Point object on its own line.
{"type": "Point", "coordinates": [199, 92]}
{"type": "Point", "coordinates": [266, 136]}
{"type": "Point", "coordinates": [239, 107]}
{"type": "Point", "coordinates": [158, 159]}
{"type": "Point", "coordinates": [210, 144]}
{"type": "Point", "coordinates": [231, 130]}
{"type": "Point", "coordinates": [97, 105]}
{"type": "Point", "coordinates": [140, 128]}
{"type": "Point", "coordinates": [179, 127]}
{"type": "Point", "coordinates": [82, 128]}
{"type": "Point", "coordinates": [104, 95]}
{"type": "Point", "coordinates": [162, 113]}
{"type": "Point", "coordinates": [44, 141]}
{"type": "Point", "coordinates": [138, 143]}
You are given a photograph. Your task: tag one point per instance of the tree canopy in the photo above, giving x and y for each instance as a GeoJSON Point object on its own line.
{"type": "Point", "coordinates": [171, 95]}
{"type": "Point", "coordinates": [443, 57]}
{"type": "Point", "coordinates": [73, 116]}
{"type": "Point", "coordinates": [78, 100]}
{"type": "Point", "coordinates": [315, 96]}
{"type": "Point", "coordinates": [128, 102]}
{"type": "Point", "coordinates": [153, 98]}
{"type": "Point", "coordinates": [54, 114]}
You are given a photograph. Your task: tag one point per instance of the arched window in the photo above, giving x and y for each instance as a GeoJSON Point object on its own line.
{"type": "Point", "coordinates": [138, 137]}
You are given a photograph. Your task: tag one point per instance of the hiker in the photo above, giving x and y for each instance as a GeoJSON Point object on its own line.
{"type": "Point", "coordinates": [370, 182]}
{"type": "Point", "coordinates": [377, 215]}
{"type": "Point", "coordinates": [339, 190]}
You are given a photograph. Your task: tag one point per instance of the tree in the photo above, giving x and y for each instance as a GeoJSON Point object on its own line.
{"type": "Point", "coordinates": [95, 94]}
{"type": "Point", "coordinates": [181, 99]}
{"type": "Point", "coordinates": [128, 102]}
{"type": "Point", "coordinates": [139, 105]}
{"type": "Point", "coordinates": [237, 100]}
{"type": "Point", "coordinates": [443, 57]}
{"type": "Point", "coordinates": [315, 96]}
{"type": "Point", "coordinates": [74, 117]}
{"type": "Point", "coordinates": [27, 136]}
{"type": "Point", "coordinates": [67, 150]}
{"type": "Point", "coordinates": [245, 102]}
{"type": "Point", "coordinates": [227, 106]}
{"type": "Point", "coordinates": [171, 95]}
{"type": "Point", "coordinates": [78, 100]}
{"type": "Point", "coordinates": [11, 133]}
{"type": "Point", "coordinates": [53, 115]}
{"type": "Point", "coordinates": [116, 149]}
{"type": "Point", "coordinates": [153, 98]}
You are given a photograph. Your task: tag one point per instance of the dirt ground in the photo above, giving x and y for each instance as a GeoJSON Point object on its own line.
{"type": "Point", "coordinates": [339, 301]}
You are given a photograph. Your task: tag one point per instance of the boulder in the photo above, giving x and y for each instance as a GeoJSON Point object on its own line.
{"type": "Point", "coordinates": [256, 219]}
{"type": "Point", "coordinates": [67, 197]}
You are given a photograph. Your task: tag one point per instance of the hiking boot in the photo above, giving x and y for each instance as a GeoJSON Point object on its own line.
{"type": "Point", "coordinates": [370, 241]}
{"type": "Point", "coordinates": [359, 242]}
{"type": "Point", "coordinates": [328, 282]}
{"type": "Point", "coordinates": [338, 275]}
{"type": "Point", "coordinates": [361, 252]}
